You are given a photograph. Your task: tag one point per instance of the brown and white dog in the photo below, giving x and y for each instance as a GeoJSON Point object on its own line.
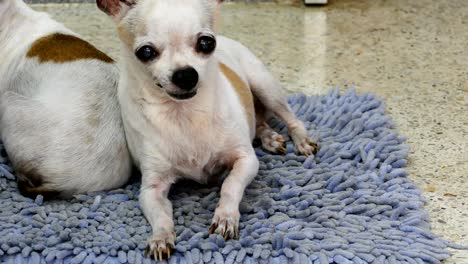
{"type": "Point", "coordinates": [192, 102]}
{"type": "Point", "coordinates": [60, 119]}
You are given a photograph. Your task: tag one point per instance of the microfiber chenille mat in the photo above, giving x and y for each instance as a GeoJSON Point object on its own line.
{"type": "Point", "coordinates": [351, 203]}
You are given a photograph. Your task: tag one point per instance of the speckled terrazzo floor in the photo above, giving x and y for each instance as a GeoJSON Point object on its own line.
{"type": "Point", "coordinates": [411, 53]}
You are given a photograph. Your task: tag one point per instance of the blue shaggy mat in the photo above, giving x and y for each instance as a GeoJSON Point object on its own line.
{"type": "Point", "coordinates": [352, 203]}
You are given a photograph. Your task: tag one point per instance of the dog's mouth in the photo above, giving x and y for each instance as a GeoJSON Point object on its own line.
{"type": "Point", "coordinates": [183, 96]}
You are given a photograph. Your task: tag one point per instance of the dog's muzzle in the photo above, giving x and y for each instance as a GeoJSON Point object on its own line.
{"type": "Point", "coordinates": [183, 96]}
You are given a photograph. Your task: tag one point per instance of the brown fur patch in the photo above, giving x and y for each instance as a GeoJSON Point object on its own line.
{"type": "Point", "coordinates": [242, 90]}
{"type": "Point", "coordinates": [125, 36]}
{"type": "Point", "coordinates": [31, 183]}
{"type": "Point", "coordinates": [60, 48]}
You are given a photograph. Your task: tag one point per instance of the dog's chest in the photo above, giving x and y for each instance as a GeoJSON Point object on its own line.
{"type": "Point", "coordinates": [201, 160]}
{"type": "Point", "coordinates": [202, 170]}
{"type": "Point", "coordinates": [197, 151]}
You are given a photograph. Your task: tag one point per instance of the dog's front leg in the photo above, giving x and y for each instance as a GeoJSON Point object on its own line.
{"type": "Point", "coordinates": [158, 210]}
{"type": "Point", "coordinates": [226, 218]}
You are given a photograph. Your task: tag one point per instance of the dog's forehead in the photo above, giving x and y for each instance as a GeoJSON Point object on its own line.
{"type": "Point", "coordinates": [177, 14]}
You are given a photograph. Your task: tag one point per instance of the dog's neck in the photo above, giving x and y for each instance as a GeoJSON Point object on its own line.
{"type": "Point", "coordinates": [15, 29]}
{"type": "Point", "coordinates": [11, 13]}
{"type": "Point", "coordinates": [5, 5]}
{"type": "Point", "coordinates": [8, 12]}
{"type": "Point", "coordinates": [15, 15]}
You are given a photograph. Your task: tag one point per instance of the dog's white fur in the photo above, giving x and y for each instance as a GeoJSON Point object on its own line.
{"type": "Point", "coordinates": [46, 109]}
{"type": "Point", "coordinates": [171, 139]}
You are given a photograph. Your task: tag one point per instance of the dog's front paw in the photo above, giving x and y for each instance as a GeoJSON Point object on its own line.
{"type": "Point", "coordinates": [307, 147]}
{"type": "Point", "coordinates": [160, 245]}
{"type": "Point", "coordinates": [225, 224]}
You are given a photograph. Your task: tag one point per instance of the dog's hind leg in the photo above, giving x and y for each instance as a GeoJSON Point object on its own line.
{"type": "Point", "coordinates": [25, 147]}
{"type": "Point", "coordinates": [269, 92]}
{"type": "Point", "coordinates": [271, 140]}
{"type": "Point", "coordinates": [32, 185]}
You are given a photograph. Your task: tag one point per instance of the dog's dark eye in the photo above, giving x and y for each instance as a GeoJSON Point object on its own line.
{"type": "Point", "coordinates": [206, 44]}
{"type": "Point", "coordinates": [146, 53]}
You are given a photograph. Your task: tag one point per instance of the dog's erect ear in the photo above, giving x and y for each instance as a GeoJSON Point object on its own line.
{"type": "Point", "coordinates": [216, 14]}
{"type": "Point", "coordinates": [115, 8]}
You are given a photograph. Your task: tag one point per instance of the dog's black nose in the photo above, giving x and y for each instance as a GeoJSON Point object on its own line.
{"type": "Point", "coordinates": [185, 78]}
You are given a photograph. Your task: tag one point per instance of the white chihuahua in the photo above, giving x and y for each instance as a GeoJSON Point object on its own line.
{"type": "Point", "coordinates": [59, 114]}
{"type": "Point", "coordinates": [192, 103]}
